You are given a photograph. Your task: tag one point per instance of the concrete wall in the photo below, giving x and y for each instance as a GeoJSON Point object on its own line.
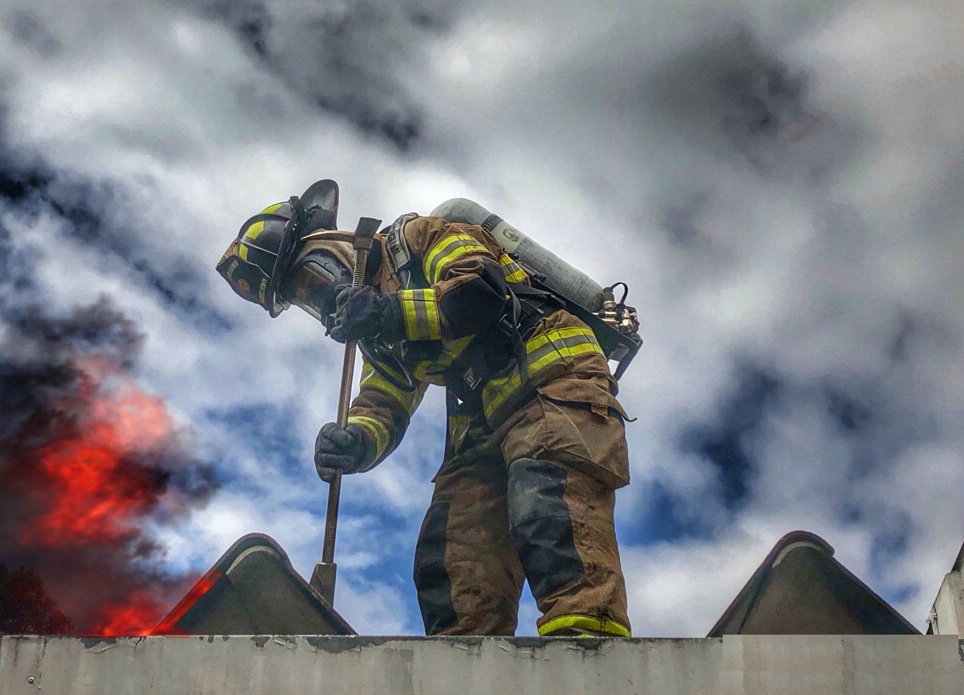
{"type": "Point", "coordinates": [851, 665]}
{"type": "Point", "coordinates": [947, 614]}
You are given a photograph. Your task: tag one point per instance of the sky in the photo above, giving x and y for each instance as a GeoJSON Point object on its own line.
{"type": "Point", "coordinates": [780, 183]}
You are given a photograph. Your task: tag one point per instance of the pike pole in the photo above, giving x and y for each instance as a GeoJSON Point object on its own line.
{"type": "Point", "coordinates": [324, 574]}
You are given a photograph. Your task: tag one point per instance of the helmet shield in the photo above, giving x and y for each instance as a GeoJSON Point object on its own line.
{"type": "Point", "coordinates": [312, 283]}
{"type": "Point", "coordinates": [321, 202]}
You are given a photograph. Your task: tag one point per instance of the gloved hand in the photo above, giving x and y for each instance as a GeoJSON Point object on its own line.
{"type": "Point", "coordinates": [340, 448]}
{"type": "Point", "coordinates": [362, 312]}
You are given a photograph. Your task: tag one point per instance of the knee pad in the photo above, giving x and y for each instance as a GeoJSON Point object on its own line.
{"type": "Point", "coordinates": [540, 525]}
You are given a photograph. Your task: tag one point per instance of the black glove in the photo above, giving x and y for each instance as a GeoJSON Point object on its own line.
{"type": "Point", "coordinates": [340, 448]}
{"type": "Point", "coordinates": [362, 312]}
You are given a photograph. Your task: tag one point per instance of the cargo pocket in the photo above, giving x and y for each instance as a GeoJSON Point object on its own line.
{"type": "Point", "coordinates": [575, 422]}
{"type": "Point", "coordinates": [584, 427]}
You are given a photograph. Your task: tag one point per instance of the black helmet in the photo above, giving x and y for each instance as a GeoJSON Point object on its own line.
{"type": "Point", "coordinates": [256, 263]}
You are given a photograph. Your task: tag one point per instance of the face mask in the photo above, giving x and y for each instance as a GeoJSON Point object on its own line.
{"type": "Point", "coordinates": [313, 282]}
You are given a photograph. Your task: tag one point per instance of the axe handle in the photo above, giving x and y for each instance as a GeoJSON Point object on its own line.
{"type": "Point", "coordinates": [344, 400]}
{"type": "Point", "coordinates": [364, 234]}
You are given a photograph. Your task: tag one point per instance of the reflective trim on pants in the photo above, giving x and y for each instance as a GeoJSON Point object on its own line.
{"type": "Point", "coordinates": [583, 623]}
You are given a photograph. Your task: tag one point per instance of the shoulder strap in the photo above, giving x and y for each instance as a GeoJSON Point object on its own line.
{"type": "Point", "coordinates": [398, 252]}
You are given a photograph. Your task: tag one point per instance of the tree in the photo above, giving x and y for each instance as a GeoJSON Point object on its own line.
{"type": "Point", "coordinates": [25, 607]}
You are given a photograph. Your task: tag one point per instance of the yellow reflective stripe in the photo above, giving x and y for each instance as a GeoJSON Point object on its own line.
{"type": "Point", "coordinates": [565, 351]}
{"type": "Point", "coordinates": [408, 400]}
{"type": "Point", "coordinates": [447, 250]}
{"type": "Point", "coordinates": [517, 276]}
{"type": "Point", "coordinates": [432, 370]}
{"type": "Point", "coordinates": [459, 421]}
{"type": "Point", "coordinates": [451, 349]}
{"type": "Point", "coordinates": [454, 255]}
{"type": "Point", "coordinates": [504, 388]}
{"type": "Point", "coordinates": [431, 316]}
{"type": "Point", "coordinates": [243, 251]}
{"type": "Point", "coordinates": [376, 428]}
{"type": "Point", "coordinates": [254, 231]}
{"type": "Point", "coordinates": [406, 300]}
{"type": "Point", "coordinates": [541, 351]}
{"type": "Point", "coordinates": [271, 208]}
{"type": "Point", "coordinates": [513, 271]}
{"type": "Point", "coordinates": [420, 311]}
{"type": "Point", "coordinates": [584, 622]}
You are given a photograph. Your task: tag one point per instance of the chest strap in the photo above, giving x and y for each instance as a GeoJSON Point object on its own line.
{"type": "Point", "coordinates": [405, 266]}
{"type": "Point", "coordinates": [490, 353]}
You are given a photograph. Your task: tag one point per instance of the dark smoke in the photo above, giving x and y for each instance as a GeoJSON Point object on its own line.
{"type": "Point", "coordinates": [86, 459]}
{"type": "Point", "coordinates": [343, 59]}
{"type": "Point", "coordinates": [725, 443]}
{"type": "Point", "coordinates": [97, 214]}
{"type": "Point", "coordinates": [732, 93]}
{"type": "Point", "coordinates": [30, 30]}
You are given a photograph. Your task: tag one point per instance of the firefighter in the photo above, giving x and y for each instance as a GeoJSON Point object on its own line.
{"type": "Point", "coordinates": [535, 445]}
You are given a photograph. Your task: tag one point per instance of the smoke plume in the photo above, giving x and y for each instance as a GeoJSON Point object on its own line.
{"type": "Point", "coordinates": [86, 460]}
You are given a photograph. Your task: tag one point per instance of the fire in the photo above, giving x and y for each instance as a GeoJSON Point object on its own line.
{"type": "Point", "coordinates": [204, 584]}
{"type": "Point", "coordinates": [130, 619]}
{"type": "Point", "coordinates": [88, 460]}
{"type": "Point", "coordinates": [95, 493]}
{"type": "Point", "coordinates": [95, 484]}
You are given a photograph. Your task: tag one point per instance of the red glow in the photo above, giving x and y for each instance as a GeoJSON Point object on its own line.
{"type": "Point", "coordinates": [204, 584]}
{"type": "Point", "coordinates": [129, 619]}
{"type": "Point", "coordinates": [94, 496]}
{"type": "Point", "coordinates": [96, 486]}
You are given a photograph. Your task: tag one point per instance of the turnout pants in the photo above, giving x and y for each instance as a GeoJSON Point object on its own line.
{"type": "Point", "coordinates": [532, 501]}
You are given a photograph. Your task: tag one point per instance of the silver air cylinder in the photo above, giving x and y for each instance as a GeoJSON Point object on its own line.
{"type": "Point", "coordinates": [556, 274]}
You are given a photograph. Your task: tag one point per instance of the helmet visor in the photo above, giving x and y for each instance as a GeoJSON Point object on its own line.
{"type": "Point", "coordinates": [312, 284]}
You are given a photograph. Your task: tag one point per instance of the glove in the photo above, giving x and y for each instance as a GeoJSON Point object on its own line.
{"type": "Point", "coordinates": [362, 312]}
{"type": "Point", "coordinates": [344, 449]}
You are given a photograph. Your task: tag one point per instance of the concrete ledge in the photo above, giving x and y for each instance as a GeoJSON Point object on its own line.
{"type": "Point", "coordinates": [765, 665]}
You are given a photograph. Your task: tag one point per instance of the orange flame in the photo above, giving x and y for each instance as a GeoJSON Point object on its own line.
{"type": "Point", "coordinates": [130, 618]}
{"type": "Point", "coordinates": [169, 626]}
{"type": "Point", "coordinates": [96, 490]}
{"type": "Point", "coordinates": [93, 496]}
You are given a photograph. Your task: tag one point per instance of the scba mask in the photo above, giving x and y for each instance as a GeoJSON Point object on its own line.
{"type": "Point", "coordinates": [313, 281]}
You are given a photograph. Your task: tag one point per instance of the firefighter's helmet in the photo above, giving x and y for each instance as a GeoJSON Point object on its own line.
{"type": "Point", "coordinates": [258, 262]}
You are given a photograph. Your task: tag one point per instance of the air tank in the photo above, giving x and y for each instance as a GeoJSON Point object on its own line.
{"type": "Point", "coordinates": [554, 272]}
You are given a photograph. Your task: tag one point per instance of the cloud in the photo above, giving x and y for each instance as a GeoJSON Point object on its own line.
{"type": "Point", "coordinates": [777, 181]}
{"type": "Point", "coordinates": [29, 29]}
{"type": "Point", "coordinates": [97, 218]}
{"type": "Point", "coordinates": [351, 60]}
